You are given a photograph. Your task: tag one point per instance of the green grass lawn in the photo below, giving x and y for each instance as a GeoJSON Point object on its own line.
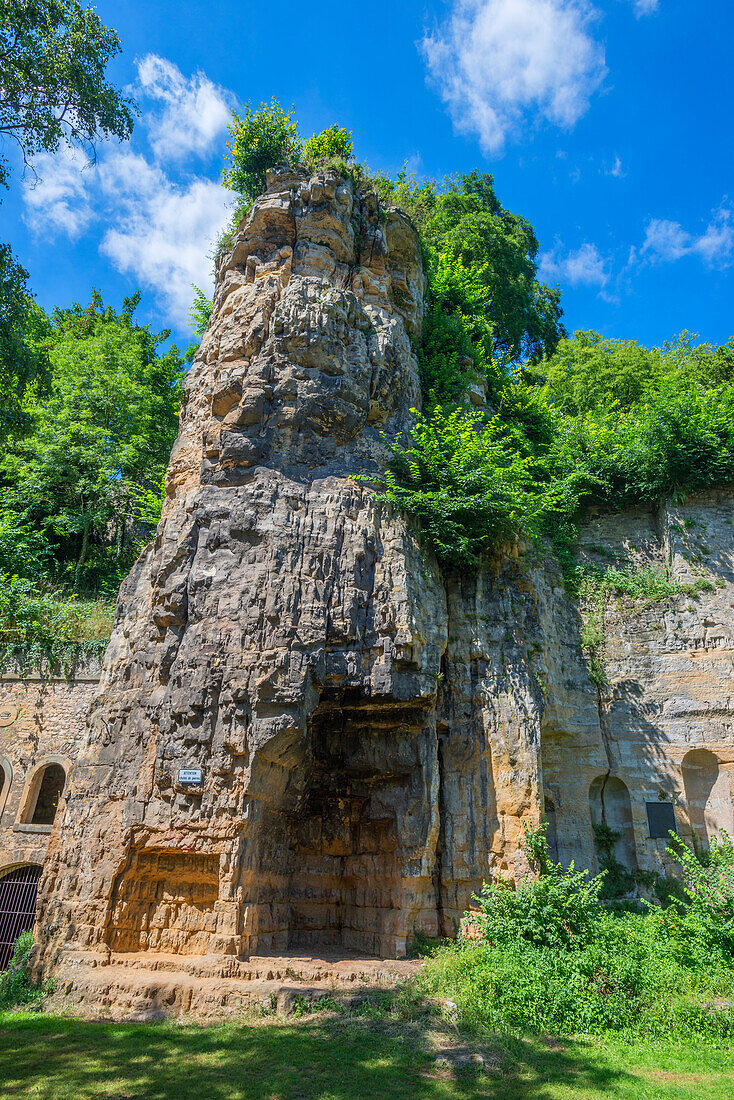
{"type": "Point", "coordinates": [337, 1057]}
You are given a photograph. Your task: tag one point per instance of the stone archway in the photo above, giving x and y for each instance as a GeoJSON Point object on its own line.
{"type": "Point", "coordinates": [609, 803]}
{"type": "Point", "coordinates": [708, 792]}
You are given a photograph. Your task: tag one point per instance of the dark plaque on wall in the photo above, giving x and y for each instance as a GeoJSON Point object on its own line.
{"type": "Point", "coordinates": [660, 819]}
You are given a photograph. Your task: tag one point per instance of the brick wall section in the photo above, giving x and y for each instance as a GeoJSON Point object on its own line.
{"type": "Point", "coordinates": [41, 721]}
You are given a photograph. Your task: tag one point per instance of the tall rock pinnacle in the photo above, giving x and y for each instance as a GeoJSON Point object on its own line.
{"type": "Point", "coordinates": [282, 636]}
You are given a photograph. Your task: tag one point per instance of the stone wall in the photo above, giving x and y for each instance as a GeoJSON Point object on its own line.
{"type": "Point", "coordinates": [42, 722]}
{"type": "Point", "coordinates": [661, 729]}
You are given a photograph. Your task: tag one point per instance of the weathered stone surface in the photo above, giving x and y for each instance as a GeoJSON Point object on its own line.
{"type": "Point", "coordinates": [371, 734]}
{"type": "Point", "coordinates": [664, 723]}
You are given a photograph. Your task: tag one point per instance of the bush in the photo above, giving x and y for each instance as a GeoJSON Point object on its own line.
{"type": "Point", "coordinates": [466, 482]}
{"type": "Point", "coordinates": [708, 883]}
{"type": "Point", "coordinates": [332, 144]}
{"type": "Point", "coordinates": [555, 959]}
{"type": "Point", "coordinates": [16, 986]}
{"type": "Point", "coordinates": [631, 975]}
{"type": "Point", "coordinates": [260, 140]}
{"type": "Point", "coordinates": [49, 628]}
{"type": "Point", "coordinates": [557, 910]}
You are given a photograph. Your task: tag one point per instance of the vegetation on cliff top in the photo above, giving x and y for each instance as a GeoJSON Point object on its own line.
{"type": "Point", "coordinates": [522, 426]}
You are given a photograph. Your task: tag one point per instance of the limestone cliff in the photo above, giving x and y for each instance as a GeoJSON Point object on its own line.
{"type": "Point", "coordinates": [370, 734]}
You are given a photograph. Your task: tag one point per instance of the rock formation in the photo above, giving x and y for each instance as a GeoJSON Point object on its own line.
{"type": "Point", "coordinates": [370, 734]}
{"type": "Point", "coordinates": [283, 634]}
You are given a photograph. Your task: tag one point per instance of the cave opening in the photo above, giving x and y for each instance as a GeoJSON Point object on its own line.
{"type": "Point", "coordinates": [349, 832]}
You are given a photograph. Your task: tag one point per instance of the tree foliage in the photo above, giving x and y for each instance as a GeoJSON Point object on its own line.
{"type": "Point", "coordinates": [53, 90]}
{"type": "Point", "coordinates": [465, 480]}
{"type": "Point", "coordinates": [23, 358]}
{"type": "Point", "coordinates": [53, 85]}
{"type": "Point", "coordinates": [556, 909]}
{"type": "Point", "coordinates": [465, 222]}
{"type": "Point", "coordinates": [603, 421]}
{"type": "Point", "coordinates": [105, 427]}
{"type": "Point", "coordinates": [333, 144]}
{"type": "Point", "coordinates": [201, 311]}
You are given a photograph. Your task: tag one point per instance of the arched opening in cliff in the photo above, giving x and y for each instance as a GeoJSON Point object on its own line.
{"type": "Point", "coordinates": [708, 789]}
{"type": "Point", "coordinates": [360, 832]}
{"type": "Point", "coordinates": [609, 803]}
{"type": "Point", "coordinates": [549, 808]}
{"type": "Point", "coordinates": [45, 795]}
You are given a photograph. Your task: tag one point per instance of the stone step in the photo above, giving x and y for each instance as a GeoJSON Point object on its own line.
{"type": "Point", "coordinates": [132, 991]}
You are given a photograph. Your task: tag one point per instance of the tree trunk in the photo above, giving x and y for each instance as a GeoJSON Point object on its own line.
{"type": "Point", "coordinates": [82, 554]}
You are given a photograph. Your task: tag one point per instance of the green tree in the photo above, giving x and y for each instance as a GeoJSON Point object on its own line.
{"type": "Point", "coordinates": [106, 427]}
{"type": "Point", "coordinates": [259, 140]}
{"type": "Point", "coordinates": [469, 223]}
{"type": "Point", "coordinates": [23, 358]}
{"type": "Point", "coordinates": [586, 372]}
{"type": "Point", "coordinates": [53, 88]}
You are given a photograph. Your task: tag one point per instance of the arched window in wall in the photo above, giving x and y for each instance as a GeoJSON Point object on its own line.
{"type": "Point", "coordinates": [708, 791]}
{"type": "Point", "coordinates": [609, 802]}
{"type": "Point", "coordinates": [49, 793]}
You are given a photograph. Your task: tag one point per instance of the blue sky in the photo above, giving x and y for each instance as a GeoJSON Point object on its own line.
{"type": "Point", "coordinates": [608, 124]}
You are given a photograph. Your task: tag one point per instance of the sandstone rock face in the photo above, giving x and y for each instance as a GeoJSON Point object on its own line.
{"type": "Point", "coordinates": [370, 734]}
{"type": "Point", "coordinates": [283, 635]}
{"type": "Point", "coordinates": [661, 744]}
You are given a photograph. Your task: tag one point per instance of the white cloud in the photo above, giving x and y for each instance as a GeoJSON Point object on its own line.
{"type": "Point", "coordinates": [665, 241]}
{"type": "Point", "coordinates": [57, 197]}
{"type": "Point", "coordinates": [158, 224]}
{"type": "Point", "coordinates": [616, 170]}
{"type": "Point", "coordinates": [193, 112]}
{"type": "Point", "coordinates": [668, 241]}
{"type": "Point", "coordinates": [645, 7]}
{"type": "Point", "coordinates": [164, 234]}
{"type": "Point", "coordinates": [498, 63]}
{"type": "Point", "coordinates": [584, 266]}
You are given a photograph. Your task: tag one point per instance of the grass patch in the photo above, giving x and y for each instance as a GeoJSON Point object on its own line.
{"type": "Point", "coordinates": [337, 1057]}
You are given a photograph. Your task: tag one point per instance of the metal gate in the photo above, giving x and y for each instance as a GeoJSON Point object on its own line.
{"type": "Point", "coordinates": [18, 891]}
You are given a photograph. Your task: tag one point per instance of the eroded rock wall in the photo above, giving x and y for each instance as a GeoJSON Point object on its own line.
{"type": "Point", "coordinates": [663, 733]}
